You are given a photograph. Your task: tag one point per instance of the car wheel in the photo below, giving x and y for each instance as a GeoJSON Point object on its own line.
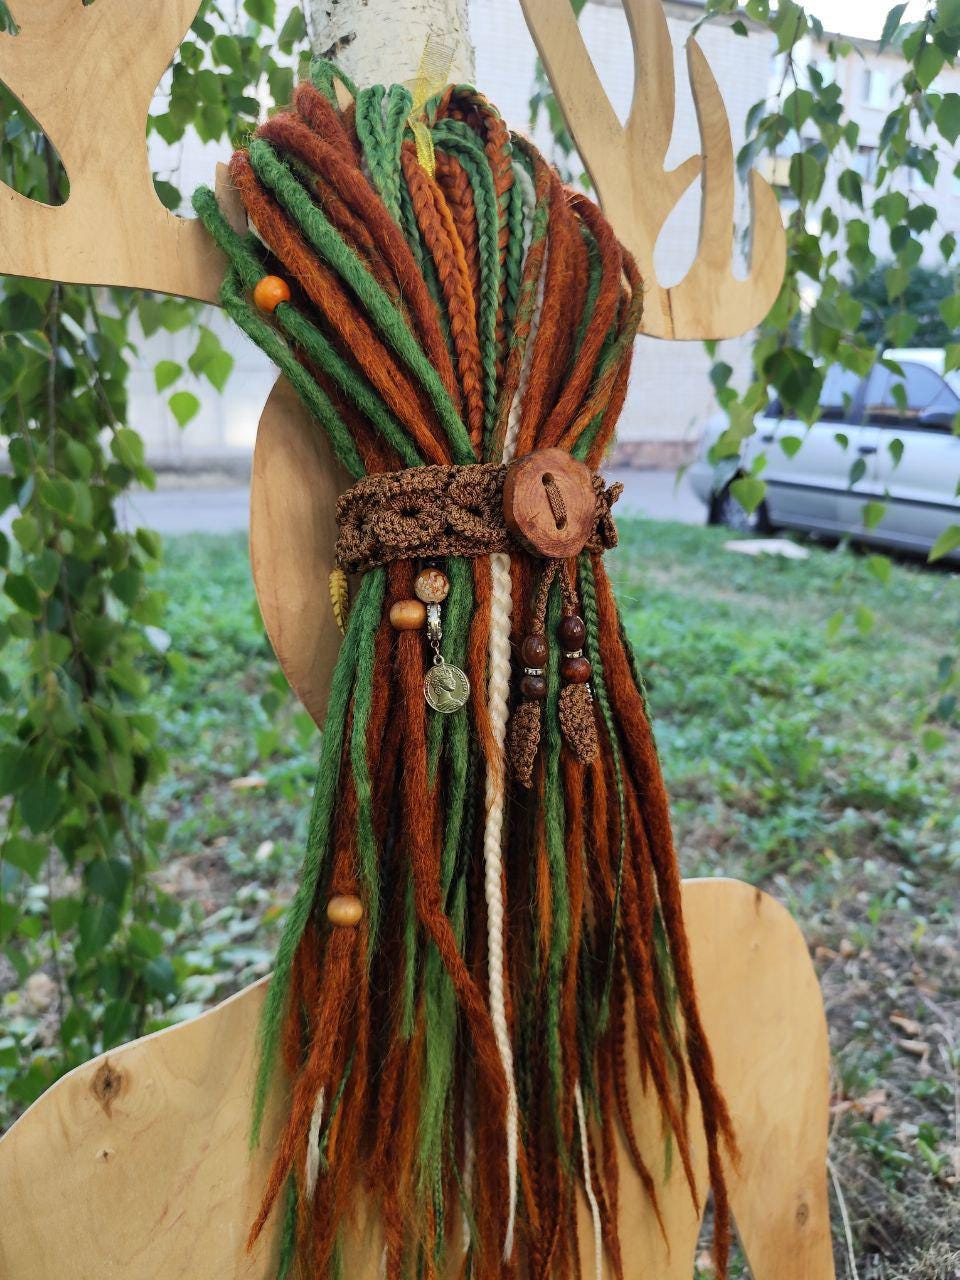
{"type": "Point", "coordinates": [726, 510]}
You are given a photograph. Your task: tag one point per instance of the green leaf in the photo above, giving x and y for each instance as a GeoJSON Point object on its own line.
{"type": "Point", "coordinates": [80, 457]}
{"type": "Point", "coordinates": [57, 494]}
{"type": "Point", "coordinates": [880, 567]}
{"type": "Point", "coordinates": [952, 357]}
{"type": "Point", "coordinates": [108, 878]}
{"type": "Point", "coordinates": [864, 619]}
{"type": "Point", "coordinates": [226, 50]}
{"type": "Point", "coordinates": [872, 513]}
{"type": "Point", "coordinates": [948, 541]}
{"type": "Point", "coordinates": [168, 195]}
{"type": "Point", "coordinates": [749, 492]}
{"type": "Point", "coordinates": [166, 373]}
{"type": "Point", "coordinates": [806, 176]}
{"type": "Point", "coordinates": [948, 116]}
{"type": "Point", "coordinates": [850, 187]}
{"type": "Point", "coordinates": [892, 24]}
{"type": "Point", "coordinates": [97, 924]}
{"type": "Point", "coordinates": [185, 406]}
{"type": "Point", "coordinates": [928, 64]}
{"type": "Point", "coordinates": [27, 856]}
{"type": "Point", "coordinates": [39, 803]}
{"type": "Point", "coordinates": [264, 11]}
{"type": "Point", "coordinates": [64, 913]}
{"type": "Point", "coordinates": [148, 942]}
{"type": "Point", "coordinates": [293, 31]}
{"type": "Point", "coordinates": [127, 448]}
{"type": "Point", "coordinates": [23, 594]}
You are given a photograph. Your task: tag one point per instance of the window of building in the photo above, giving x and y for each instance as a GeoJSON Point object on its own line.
{"type": "Point", "coordinates": [865, 162]}
{"type": "Point", "coordinates": [876, 88]}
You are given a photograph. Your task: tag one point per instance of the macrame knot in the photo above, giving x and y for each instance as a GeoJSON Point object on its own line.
{"type": "Point", "coordinates": [433, 512]}
{"type": "Point", "coordinates": [577, 722]}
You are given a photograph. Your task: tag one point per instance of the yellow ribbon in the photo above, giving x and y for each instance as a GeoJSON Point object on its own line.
{"type": "Point", "coordinates": [432, 76]}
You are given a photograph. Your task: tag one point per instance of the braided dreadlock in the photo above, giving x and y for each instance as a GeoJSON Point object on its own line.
{"type": "Point", "coordinates": [462, 1053]}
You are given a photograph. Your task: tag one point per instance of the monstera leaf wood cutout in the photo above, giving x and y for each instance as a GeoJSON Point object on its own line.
{"type": "Point", "coordinates": [136, 1164]}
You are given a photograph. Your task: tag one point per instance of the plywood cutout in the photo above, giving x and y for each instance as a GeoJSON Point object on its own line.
{"type": "Point", "coordinates": [136, 1165]}
{"type": "Point", "coordinates": [626, 164]}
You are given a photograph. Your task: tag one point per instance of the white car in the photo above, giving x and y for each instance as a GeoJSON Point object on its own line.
{"type": "Point", "coordinates": [810, 486]}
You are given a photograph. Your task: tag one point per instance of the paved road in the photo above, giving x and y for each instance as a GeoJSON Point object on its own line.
{"type": "Point", "coordinates": [655, 494]}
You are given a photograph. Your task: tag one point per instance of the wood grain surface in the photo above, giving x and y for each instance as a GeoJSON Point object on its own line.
{"type": "Point", "coordinates": [135, 1166]}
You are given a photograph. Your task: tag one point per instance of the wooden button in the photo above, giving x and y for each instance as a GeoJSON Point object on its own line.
{"type": "Point", "coordinates": [344, 911]}
{"type": "Point", "coordinates": [548, 503]}
{"type": "Point", "coordinates": [408, 615]}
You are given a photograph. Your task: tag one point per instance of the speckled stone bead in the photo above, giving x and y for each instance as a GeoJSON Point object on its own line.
{"type": "Point", "coordinates": [432, 586]}
{"type": "Point", "coordinates": [535, 651]}
{"type": "Point", "coordinates": [408, 615]}
{"type": "Point", "coordinates": [344, 911]}
{"type": "Point", "coordinates": [576, 670]}
{"type": "Point", "coordinates": [571, 632]}
{"type": "Point", "coordinates": [533, 688]}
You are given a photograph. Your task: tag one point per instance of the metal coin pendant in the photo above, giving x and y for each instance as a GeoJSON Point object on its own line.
{"type": "Point", "coordinates": [446, 688]}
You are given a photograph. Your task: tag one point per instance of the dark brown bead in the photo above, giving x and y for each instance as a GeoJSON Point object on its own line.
{"type": "Point", "coordinates": [571, 632]}
{"type": "Point", "coordinates": [535, 651]}
{"type": "Point", "coordinates": [576, 670]}
{"type": "Point", "coordinates": [533, 688]}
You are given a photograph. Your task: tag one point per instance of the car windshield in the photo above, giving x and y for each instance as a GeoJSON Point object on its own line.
{"type": "Point", "coordinates": [953, 381]}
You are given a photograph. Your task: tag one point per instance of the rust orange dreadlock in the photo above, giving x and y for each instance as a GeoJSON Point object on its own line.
{"type": "Point", "coordinates": [470, 966]}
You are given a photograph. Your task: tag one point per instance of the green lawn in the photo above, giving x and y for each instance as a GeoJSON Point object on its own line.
{"type": "Point", "coordinates": [800, 751]}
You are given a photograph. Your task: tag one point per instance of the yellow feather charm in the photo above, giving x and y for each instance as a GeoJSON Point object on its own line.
{"type": "Point", "coordinates": [340, 598]}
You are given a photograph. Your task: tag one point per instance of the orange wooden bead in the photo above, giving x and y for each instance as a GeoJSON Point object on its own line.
{"type": "Point", "coordinates": [408, 615]}
{"type": "Point", "coordinates": [344, 911]}
{"type": "Point", "coordinates": [270, 292]}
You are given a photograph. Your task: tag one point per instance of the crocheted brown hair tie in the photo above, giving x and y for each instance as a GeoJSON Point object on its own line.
{"type": "Point", "coordinates": [432, 512]}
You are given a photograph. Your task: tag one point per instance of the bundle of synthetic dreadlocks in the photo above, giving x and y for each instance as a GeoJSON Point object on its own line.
{"type": "Point", "coordinates": [488, 925]}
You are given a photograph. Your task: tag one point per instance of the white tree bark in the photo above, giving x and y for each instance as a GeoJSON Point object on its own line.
{"type": "Point", "coordinates": [382, 41]}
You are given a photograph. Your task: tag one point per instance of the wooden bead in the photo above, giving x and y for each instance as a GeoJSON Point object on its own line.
{"type": "Point", "coordinates": [549, 504]}
{"type": "Point", "coordinates": [571, 632]}
{"type": "Point", "coordinates": [344, 911]}
{"type": "Point", "coordinates": [432, 586]}
{"type": "Point", "coordinates": [270, 292]}
{"type": "Point", "coordinates": [576, 670]}
{"type": "Point", "coordinates": [535, 651]}
{"type": "Point", "coordinates": [408, 615]}
{"type": "Point", "coordinates": [533, 688]}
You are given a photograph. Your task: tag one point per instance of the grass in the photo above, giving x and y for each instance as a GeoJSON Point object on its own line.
{"type": "Point", "coordinates": [792, 735]}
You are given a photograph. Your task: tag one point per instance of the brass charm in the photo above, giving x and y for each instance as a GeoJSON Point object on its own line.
{"type": "Point", "coordinates": [446, 688]}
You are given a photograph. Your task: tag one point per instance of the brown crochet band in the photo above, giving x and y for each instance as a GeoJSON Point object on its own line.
{"type": "Point", "coordinates": [426, 512]}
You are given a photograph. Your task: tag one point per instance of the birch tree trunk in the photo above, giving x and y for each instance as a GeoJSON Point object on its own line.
{"type": "Point", "coordinates": [382, 41]}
